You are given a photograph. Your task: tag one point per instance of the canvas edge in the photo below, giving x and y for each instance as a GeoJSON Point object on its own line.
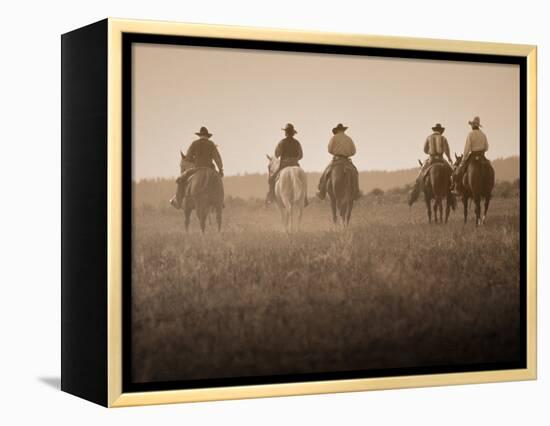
{"type": "Point", "coordinates": [116, 398]}
{"type": "Point", "coordinates": [532, 216]}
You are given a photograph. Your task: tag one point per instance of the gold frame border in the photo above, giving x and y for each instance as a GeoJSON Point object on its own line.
{"type": "Point", "coordinates": [114, 209]}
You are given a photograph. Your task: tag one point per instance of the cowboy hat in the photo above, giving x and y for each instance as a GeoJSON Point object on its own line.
{"type": "Point", "coordinates": [438, 128]}
{"type": "Point", "coordinates": [339, 128]}
{"type": "Point", "coordinates": [204, 132]}
{"type": "Point", "coordinates": [289, 128]}
{"type": "Point", "coordinates": [476, 121]}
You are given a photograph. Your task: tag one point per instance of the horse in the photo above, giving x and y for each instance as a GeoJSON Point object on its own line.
{"type": "Point", "coordinates": [436, 188]}
{"type": "Point", "coordinates": [478, 181]}
{"type": "Point", "coordinates": [340, 189]}
{"type": "Point", "coordinates": [204, 193]}
{"type": "Point", "coordinates": [290, 193]}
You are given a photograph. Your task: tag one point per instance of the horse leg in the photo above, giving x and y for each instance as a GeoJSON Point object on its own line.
{"type": "Point", "coordinates": [447, 209]}
{"type": "Point", "coordinates": [298, 215]}
{"type": "Point", "coordinates": [487, 202]}
{"type": "Point", "coordinates": [282, 210]}
{"type": "Point", "coordinates": [429, 209]}
{"type": "Point", "coordinates": [333, 208]}
{"type": "Point", "coordinates": [342, 209]}
{"type": "Point", "coordinates": [290, 219]}
{"type": "Point", "coordinates": [477, 200]}
{"type": "Point", "coordinates": [348, 215]}
{"type": "Point", "coordinates": [284, 216]}
{"type": "Point", "coordinates": [465, 203]}
{"type": "Point", "coordinates": [187, 212]}
{"type": "Point", "coordinates": [219, 217]}
{"type": "Point", "coordinates": [201, 215]}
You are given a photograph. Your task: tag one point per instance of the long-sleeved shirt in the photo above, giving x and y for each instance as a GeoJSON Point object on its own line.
{"type": "Point", "coordinates": [342, 145]}
{"type": "Point", "coordinates": [289, 148]}
{"type": "Point", "coordinates": [476, 141]}
{"type": "Point", "coordinates": [436, 144]}
{"type": "Point", "coordinates": [202, 152]}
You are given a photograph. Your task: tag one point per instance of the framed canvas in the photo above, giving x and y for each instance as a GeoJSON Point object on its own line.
{"type": "Point", "coordinates": [244, 215]}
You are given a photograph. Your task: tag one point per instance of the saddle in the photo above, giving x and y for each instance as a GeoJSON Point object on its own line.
{"type": "Point", "coordinates": [344, 161]}
{"type": "Point", "coordinates": [284, 162]}
{"type": "Point", "coordinates": [186, 175]}
{"type": "Point", "coordinates": [433, 161]}
{"type": "Point", "coordinates": [478, 156]}
{"type": "Point", "coordinates": [288, 162]}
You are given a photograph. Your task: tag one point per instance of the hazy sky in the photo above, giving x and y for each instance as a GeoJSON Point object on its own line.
{"type": "Point", "coordinates": [244, 97]}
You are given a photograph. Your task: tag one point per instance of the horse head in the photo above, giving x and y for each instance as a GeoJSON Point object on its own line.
{"type": "Point", "coordinates": [273, 164]}
{"type": "Point", "coordinates": [413, 195]}
{"type": "Point", "coordinates": [185, 163]}
{"type": "Point", "coordinates": [458, 160]}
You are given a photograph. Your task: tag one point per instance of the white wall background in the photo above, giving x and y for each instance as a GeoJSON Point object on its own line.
{"type": "Point", "coordinates": [30, 211]}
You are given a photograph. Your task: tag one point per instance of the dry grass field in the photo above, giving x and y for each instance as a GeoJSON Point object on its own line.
{"type": "Point", "coordinates": [390, 291]}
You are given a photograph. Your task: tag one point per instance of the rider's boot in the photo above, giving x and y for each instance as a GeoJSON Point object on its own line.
{"type": "Point", "coordinates": [356, 192]}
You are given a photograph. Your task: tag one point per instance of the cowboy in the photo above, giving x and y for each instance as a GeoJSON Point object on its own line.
{"type": "Point", "coordinates": [290, 152]}
{"type": "Point", "coordinates": [476, 145]}
{"type": "Point", "coordinates": [341, 147]}
{"type": "Point", "coordinates": [435, 146]}
{"type": "Point", "coordinates": [202, 153]}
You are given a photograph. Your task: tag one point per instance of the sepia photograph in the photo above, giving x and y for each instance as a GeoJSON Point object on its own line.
{"type": "Point", "coordinates": [300, 215]}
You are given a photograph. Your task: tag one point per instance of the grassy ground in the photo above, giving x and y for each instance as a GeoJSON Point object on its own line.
{"type": "Point", "coordinates": [391, 291]}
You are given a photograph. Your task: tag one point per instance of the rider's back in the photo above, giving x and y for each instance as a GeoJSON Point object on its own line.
{"type": "Point", "coordinates": [341, 145]}
{"type": "Point", "coordinates": [289, 148]}
{"type": "Point", "coordinates": [202, 152]}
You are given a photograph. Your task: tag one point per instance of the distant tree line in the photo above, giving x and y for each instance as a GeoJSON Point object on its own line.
{"type": "Point", "coordinates": [377, 186]}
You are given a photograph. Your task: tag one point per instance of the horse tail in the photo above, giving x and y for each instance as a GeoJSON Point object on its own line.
{"type": "Point", "coordinates": [349, 184]}
{"type": "Point", "coordinates": [297, 189]}
{"type": "Point", "coordinates": [345, 198]}
{"type": "Point", "coordinates": [490, 178]}
{"type": "Point", "coordinates": [284, 188]}
{"type": "Point", "coordinates": [301, 186]}
{"type": "Point", "coordinates": [440, 180]}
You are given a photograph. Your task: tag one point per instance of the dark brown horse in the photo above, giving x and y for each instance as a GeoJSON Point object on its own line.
{"type": "Point", "coordinates": [340, 189]}
{"type": "Point", "coordinates": [436, 188]}
{"type": "Point", "coordinates": [478, 181]}
{"type": "Point", "coordinates": [203, 193]}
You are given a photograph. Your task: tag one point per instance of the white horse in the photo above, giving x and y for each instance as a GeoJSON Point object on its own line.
{"type": "Point", "coordinates": [290, 193]}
